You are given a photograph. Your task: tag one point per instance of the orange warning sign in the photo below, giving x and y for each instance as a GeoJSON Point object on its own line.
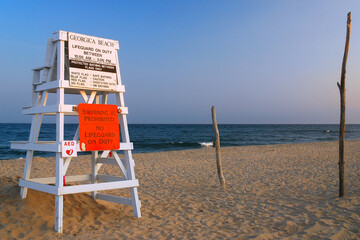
{"type": "Point", "coordinates": [99, 127]}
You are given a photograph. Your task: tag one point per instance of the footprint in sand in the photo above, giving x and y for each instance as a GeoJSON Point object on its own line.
{"type": "Point", "coordinates": [291, 227]}
{"type": "Point", "coordinates": [317, 228]}
{"type": "Point", "coordinates": [344, 234]}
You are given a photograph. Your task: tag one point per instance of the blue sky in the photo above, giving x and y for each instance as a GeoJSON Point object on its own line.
{"type": "Point", "coordinates": [255, 61]}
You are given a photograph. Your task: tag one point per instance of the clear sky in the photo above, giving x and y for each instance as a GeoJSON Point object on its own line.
{"type": "Point", "coordinates": [255, 61]}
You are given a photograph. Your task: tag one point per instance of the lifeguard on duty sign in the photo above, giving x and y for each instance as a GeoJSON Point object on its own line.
{"type": "Point", "coordinates": [92, 62]}
{"type": "Point", "coordinates": [99, 127]}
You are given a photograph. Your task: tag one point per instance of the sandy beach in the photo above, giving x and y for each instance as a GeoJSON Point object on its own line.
{"type": "Point", "coordinates": [285, 191]}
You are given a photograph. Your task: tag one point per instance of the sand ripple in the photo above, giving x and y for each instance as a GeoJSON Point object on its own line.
{"type": "Point", "coordinates": [273, 192]}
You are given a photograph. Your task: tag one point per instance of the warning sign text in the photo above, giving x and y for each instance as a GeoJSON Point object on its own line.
{"type": "Point", "coordinates": [99, 127]}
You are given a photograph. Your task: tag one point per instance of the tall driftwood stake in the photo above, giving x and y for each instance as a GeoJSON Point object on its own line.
{"type": "Point", "coordinates": [217, 145]}
{"type": "Point", "coordinates": [341, 86]}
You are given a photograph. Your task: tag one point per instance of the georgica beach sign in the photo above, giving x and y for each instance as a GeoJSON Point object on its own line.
{"type": "Point", "coordinates": [92, 62]}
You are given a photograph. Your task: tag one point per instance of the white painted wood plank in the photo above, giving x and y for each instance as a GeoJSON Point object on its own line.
{"type": "Point", "coordinates": [135, 202]}
{"type": "Point", "coordinates": [29, 153]}
{"type": "Point", "coordinates": [118, 69]}
{"type": "Point", "coordinates": [129, 161]}
{"type": "Point", "coordinates": [128, 156]}
{"type": "Point", "coordinates": [35, 134]}
{"type": "Point", "coordinates": [38, 99]}
{"type": "Point", "coordinates": [109, 161]}
{"type": "Point", "coordinates": [61, 61]}
{"type": "Point", "coordinates": [84, 96]}
{"type": "Point", "coordinates": [66, 84]}
{"type": "Point", "coordinates": [52, 63]}
{"type": "Point", "coordinates": [44, 98]}
{"type": "Point", "coordinates": [36, 77]}
{"type": "Point", "coordinates": [59, 182]}
{"type": "Point", "coordinates": [98, 166]}
{"type": "Point", "coordinates": [40, 68]}
{"type": "Point", "coordinates": [120, 163]}
{"type": "Point", "coordinates": [115, 199]}
{"type": "Point", "coordinates": [38, 186]}
{"type": "Point", "coordinates": [76, 135]}
{"type": "Point", "coordinates": [126, 146]}
{"type": "Point", "coordinates": [41, 109]}
{"type": "Point", "coordinates": [48, 180]}
{"type": "Point", "coordinates": [59, 212]}
{"type": "Point", "coordinates": [27, 171]}
{"type": "Point", "coordinates": [78, 178]}
{"type": "Point", "coordinates": [59, 170]}
{"type": "Point", "coordinates": [98, 186]}
{"type": "Point", "coordinates": [59, 35]}
{"type": "Point", "coordinates": [123, 146]}
{"type": "Point", "coordinates": [68, 179]}
{"type": "Point", "coordinates": [122, 118]}
{"type": "Point", "coordinates": [49, 51]}
{"type": "Point", "coordinates": [94, 170]}
{"type": "Point", "coordinates": [124, 110]}
{"type": "Point", "coordinates": [109, 178]}
{"type": "Point", "coordinates": [47, 86]}
{"type": "Point", "coordinates": [120, 88]}
{"type": "Point", "coordinates": [59, 200]}
{"type": "Point", "coordinates": [51, 146]}
{"type": "Point", "coordinates": [92, 97]}
{"type": "Point", "coordinates": [39, 146]}
{"type": "Point", "coordinates": [106, 153]}
{"type": "Point", "coordinates": [66, 108]}
{"type": "Point", "coordinates": [66, 164]}
{"type": "Point", "coordinates": [104, 98]}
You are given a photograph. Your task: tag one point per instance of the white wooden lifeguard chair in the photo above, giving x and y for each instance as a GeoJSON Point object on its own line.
{"type": "Point", "coordinates": [55, 79]}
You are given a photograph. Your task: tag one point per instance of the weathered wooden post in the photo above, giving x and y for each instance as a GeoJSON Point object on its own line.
{"type": "Point", "coordinates": [217, 146]}
{"type": "Point", "coordinates": [342, 111]}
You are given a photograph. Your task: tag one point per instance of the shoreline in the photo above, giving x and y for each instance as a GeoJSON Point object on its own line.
{"type": "Point", "coordinates": [199, 148]}
{"type": "Point", "coordinates": [273, 191]}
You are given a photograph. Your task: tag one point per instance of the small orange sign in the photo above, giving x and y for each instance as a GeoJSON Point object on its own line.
{"type": "Point", "coordinates": [99, 127]}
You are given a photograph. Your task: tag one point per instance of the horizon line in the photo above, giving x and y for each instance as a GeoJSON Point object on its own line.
{"type": "Point", "coordinates": [205, 123]}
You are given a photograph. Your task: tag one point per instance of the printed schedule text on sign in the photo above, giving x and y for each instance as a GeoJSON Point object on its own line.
{"type": "Point", "coordinates": [92, 62]}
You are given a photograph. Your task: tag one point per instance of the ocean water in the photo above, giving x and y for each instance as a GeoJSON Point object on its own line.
{"type": "Point", "coordinates": [167, 137]}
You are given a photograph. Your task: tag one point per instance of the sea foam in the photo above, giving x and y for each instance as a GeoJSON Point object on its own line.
{"type": "Point", "coordinates": [206, 144]}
